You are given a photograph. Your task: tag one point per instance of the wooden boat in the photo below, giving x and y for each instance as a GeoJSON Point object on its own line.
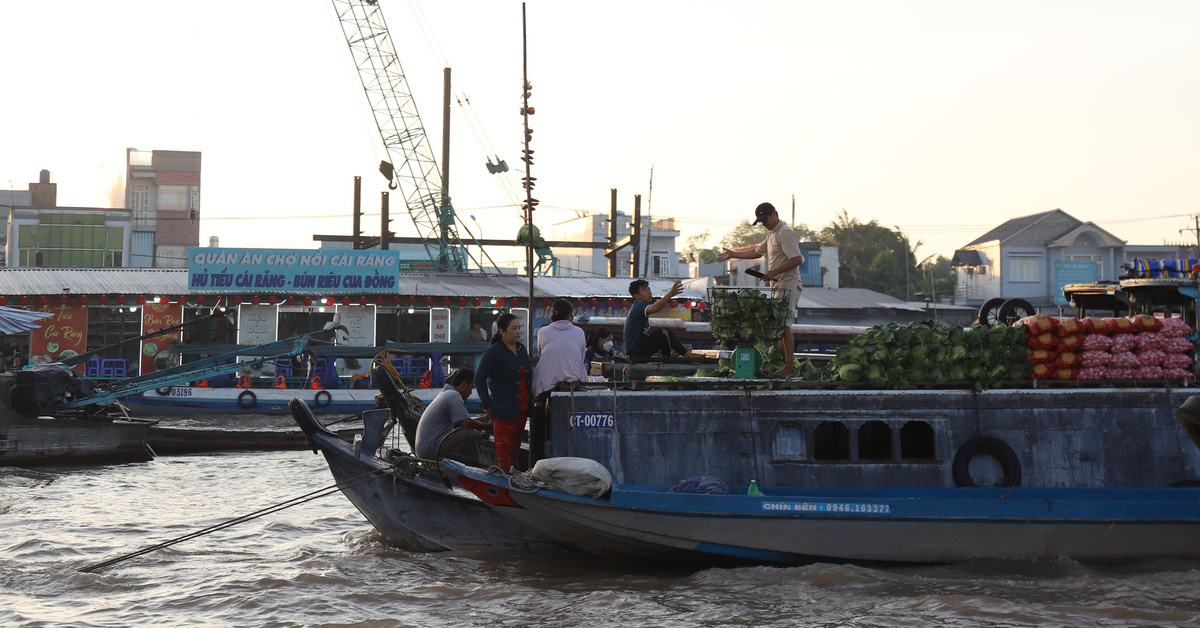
{"type": "Point", "coordinates": [906, 525]}
{"type": "Point", "coordinates": [180, 440]}
{"type": "Point", "coordinates": [411, 504]}
{"type": "Point", "coordinates": [68, 438]}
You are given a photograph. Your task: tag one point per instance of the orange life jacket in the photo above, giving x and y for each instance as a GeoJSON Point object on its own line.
{"type": "Point", "coordinates": [280, 382]}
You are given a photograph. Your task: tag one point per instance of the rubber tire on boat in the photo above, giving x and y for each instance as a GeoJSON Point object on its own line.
{"type": "Point", "coordinates": [328, 399]}
{"type": "Point", "coordinates": [989, 446]}
{"type": "Point", "coordinates": [1014, 310]}
{"type": "Point", "coordinates": [987, 312]}
{"type": "Point", "coordinates": [247, 400]}
{"type": "Point", "coordinates": [165, 391]}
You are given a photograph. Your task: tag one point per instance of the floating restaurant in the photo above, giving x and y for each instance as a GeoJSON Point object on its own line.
{"type": "Point", "coordinates": [268, 294]}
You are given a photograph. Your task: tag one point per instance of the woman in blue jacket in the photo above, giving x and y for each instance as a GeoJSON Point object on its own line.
{"type": "Point", "coordinates": [504, 380]}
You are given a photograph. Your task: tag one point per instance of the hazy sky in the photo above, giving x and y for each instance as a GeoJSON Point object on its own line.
{"type": "Point", "coordinates": [945, 118]}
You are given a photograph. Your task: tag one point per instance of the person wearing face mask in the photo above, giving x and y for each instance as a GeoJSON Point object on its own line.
{"type": "Point", "coordinates": [600, 345]}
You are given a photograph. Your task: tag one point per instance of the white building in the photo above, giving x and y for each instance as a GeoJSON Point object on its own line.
{"type": "Point", "coordinates": [657, 252]}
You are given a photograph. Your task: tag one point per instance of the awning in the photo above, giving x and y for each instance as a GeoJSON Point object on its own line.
{"type": "Point", "coordinates": [15, 321]}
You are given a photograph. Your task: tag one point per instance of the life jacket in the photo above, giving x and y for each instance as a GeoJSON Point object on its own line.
{"type": "Point", "coordinates": [202, 383]}
{"type": "Point", "coordinates": [426, 380]}
{"type": "Point", "coordinates": [243, 381]}
{"type": "Point", "coordinates": [280, 382]}
{"type": "Point", "coordinates": [314, 383]}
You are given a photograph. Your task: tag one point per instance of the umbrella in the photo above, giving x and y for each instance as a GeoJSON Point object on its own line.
{"type": "Point", "coordinates": [14, 321]}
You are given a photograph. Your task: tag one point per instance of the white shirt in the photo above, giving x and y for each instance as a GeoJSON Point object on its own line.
{"type": "Point", "coordinates": [561, 348]}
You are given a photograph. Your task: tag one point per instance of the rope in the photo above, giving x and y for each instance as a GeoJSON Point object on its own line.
{"type": "Point", "coordinates": [519, 482]}
{"type": "Point", "coordinates": [295, 501]}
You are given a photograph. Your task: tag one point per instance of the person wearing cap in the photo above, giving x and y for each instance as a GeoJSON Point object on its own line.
{"type": "Point", "coordinates": [782, 249]}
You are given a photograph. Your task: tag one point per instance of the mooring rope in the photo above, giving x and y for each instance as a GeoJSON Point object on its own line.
{"type": "Point", "coordinates": [295, 501]}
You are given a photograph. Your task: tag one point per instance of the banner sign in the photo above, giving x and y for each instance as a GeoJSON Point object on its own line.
{"type": "Point", "coordinates": [439, 324]}
{"type": "Point", "coordinates": [61, 336]}
{"type": "Point", "coordinates": [242, 270]}
{"type": "Point", "coordinates": [417, 266]}
{"type": "Point", "coordinates": [257, 324]}
{"type": "Point", "coordinates": [1067, 273]}
{"type": "Point", "coordinates": [156, 316]}
{"type": "Point", "coordinates": [359, 321]}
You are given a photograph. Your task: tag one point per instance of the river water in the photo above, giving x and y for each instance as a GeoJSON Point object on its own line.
{"type": "Point", "coordinates": [321, 564]}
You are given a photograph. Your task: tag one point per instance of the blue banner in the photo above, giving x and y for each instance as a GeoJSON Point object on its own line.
{"type": "Point", "coordinates": [1067, 273]}
{"type": "Point", "coordinates": [296, 270]}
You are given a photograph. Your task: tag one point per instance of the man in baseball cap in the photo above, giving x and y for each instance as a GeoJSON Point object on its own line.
{"type": "Point", "coordinates": [782, 249]}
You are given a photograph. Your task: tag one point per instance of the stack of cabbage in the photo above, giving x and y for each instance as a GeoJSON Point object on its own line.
{"type": "Point", "coordinates": [748, 316]}
{"type": "Point", "coordinates": [931, 353]}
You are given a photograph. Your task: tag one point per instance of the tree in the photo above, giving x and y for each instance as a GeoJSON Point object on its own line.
{"type": "Point", "coordinates": [745, 234]}
{"type": "Point", "coordinates": [859, 244]}
{"type": "Point", "coordinates": [693, 244]}
{"type": "Point", "coordinates": [936, 275]}
{"type": "Point", "coordinates": [884, 274]}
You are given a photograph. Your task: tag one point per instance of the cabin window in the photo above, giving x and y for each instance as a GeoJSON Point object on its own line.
{"type": "Point", "coordinates": [916, 441]}
{"type": "Point", "coordinates": [789, 443]}
{"type": "Point", "coordinates": [831, 441]}
{"type": "Point", "coordinates": [874, 441]}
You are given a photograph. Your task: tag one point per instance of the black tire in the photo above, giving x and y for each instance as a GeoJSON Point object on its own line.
{"type": "Point", "coordinates": [1014, 310]}
{"type": "Point", "coordinates": [322, 401]}
{"type": "Point", "coordinates": [247, 400]}
{"type": "Point", "coordinates": [165, 391]}
{"type": "Point", "coordinates": [988, 311]}
{"type": "Point", "coordinates": [987, 446]}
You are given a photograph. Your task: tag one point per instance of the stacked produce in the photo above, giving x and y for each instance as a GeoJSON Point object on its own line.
{"type": "Point", "coordinates": [748, 316]}
{"type": "Point", "coordinates": [1138, 347]}
{"type": "Point", "coordinates": [928, 352]}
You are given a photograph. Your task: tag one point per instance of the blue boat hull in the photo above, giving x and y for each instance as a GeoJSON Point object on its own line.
{"type": "Point", "coordinates": [904, 525]}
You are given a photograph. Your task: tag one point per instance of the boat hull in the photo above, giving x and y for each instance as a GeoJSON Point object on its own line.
{"type": "Point", "coordinates": [56, 440]}
{"type": "Point", "coordinates": [898, 525]}
{"type": "Point", "coordinates": [422, 512]}
{"type": "Point", "coordinates": [174, 441]}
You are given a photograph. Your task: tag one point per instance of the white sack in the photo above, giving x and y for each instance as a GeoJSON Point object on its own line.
{"type": "Point", "coordinates": [575, 476]}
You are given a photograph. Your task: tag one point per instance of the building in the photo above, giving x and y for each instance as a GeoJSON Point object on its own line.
{"type": "Point", "coordinates": [162, 193]}
{"type": "Point", "coordinates": [42, 234]}
{"type": "Point", "coordinates": [657, 254]}
{"type": "Point", "coordinates": [1033, 257]}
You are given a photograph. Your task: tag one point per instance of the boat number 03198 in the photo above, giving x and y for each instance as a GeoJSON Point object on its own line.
{"type": "Point", "coordinates": [601, 420]}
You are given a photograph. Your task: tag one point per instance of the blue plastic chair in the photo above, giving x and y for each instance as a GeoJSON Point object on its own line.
{"type": "Point", "coordinates": [93, 367]}
{"type": "Point", "coordinates": [112, 367]}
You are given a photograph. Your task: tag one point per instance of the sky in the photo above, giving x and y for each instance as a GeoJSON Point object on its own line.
{"type": "Point", "coordinates": [941, 118]}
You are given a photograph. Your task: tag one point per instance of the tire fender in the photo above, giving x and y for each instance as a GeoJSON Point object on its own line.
{"type": "Point", "coordinates": [247, 400]}
{"type": "Point", "coordinates": [989, 446]}
{"type": "Point", "coordinates": [322, 398]}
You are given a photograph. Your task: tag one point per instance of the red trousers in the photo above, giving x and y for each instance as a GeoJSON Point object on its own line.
{"type": "Point", "coordinates": [508, 441]}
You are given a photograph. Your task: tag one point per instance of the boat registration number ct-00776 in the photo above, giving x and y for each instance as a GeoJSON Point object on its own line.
{"type": "Point", "coordinates": [593, 420]}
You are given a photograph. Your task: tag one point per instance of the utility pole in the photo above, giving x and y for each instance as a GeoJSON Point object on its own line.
{"type": "Point", "coordinates": [793, 225]}
{"type": "Point", "coordinates": [1196, 230]}
{"type": "Point", "coordinates": [650, 229]}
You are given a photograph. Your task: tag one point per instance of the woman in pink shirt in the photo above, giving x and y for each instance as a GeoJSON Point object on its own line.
{"type": "Point", "coordinates": [561, 348]}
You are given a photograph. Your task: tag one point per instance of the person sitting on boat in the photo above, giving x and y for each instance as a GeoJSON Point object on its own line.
{"type": "Point", "coordinates": [447, 411]}
{"type": "Point", "coordinates": [477, 334]}
{"type": "Point", "coordinates": [782, 249]}
{"type": "Point", "coordinates": [600, 345]}
{"type": "Point", "coordinates": [640, 340]}
{"type": "Point", "coordinates": [504, 379]}
{"type": "Point", "coordinates": [561, 350]}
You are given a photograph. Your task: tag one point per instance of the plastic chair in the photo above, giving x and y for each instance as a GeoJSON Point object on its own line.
{"type": "Point", "coordinates": [417, 367]}
{"type": "Point", "coordinates": [112, 367]}
{"type": "Point", "coordinates": [93, 367]}
{"type": "Point", "coordinates": [283, 367]}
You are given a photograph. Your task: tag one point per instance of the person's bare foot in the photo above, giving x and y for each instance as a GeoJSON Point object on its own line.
{"type": "Point", "coordinates": [692, 354]}
{"type": "Point", "coordinates": [784, 373]}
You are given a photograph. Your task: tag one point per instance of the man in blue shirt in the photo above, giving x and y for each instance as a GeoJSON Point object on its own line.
{"type": "Point", "coordinates": [640, 340]}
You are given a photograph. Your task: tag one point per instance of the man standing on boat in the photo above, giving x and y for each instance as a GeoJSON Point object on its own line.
{"type": "Point", "coordinates": [447, 411]}
{"type": "Point", "coordinates": [782, 249]}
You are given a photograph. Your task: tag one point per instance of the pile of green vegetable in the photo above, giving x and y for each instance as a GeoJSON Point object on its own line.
{"type": "Point", "coordinates": [749, 316]}
{"type": "Point", "coordinates": [928, 352]}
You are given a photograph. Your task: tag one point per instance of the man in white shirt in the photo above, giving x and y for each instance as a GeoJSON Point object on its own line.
{"type": "Point", "coordinates": [784, 258]}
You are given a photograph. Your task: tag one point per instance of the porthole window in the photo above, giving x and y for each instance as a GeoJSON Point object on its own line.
{"type": "Point", "coordinates": [874, 441]}
{"type": "Point", "coordinates": [917, 442]}
{"type": "Point", "coordinates": [831, 441]}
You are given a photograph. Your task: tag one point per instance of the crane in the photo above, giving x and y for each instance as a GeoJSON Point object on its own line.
{"type": "Point", "coordinates": [409, 163]}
